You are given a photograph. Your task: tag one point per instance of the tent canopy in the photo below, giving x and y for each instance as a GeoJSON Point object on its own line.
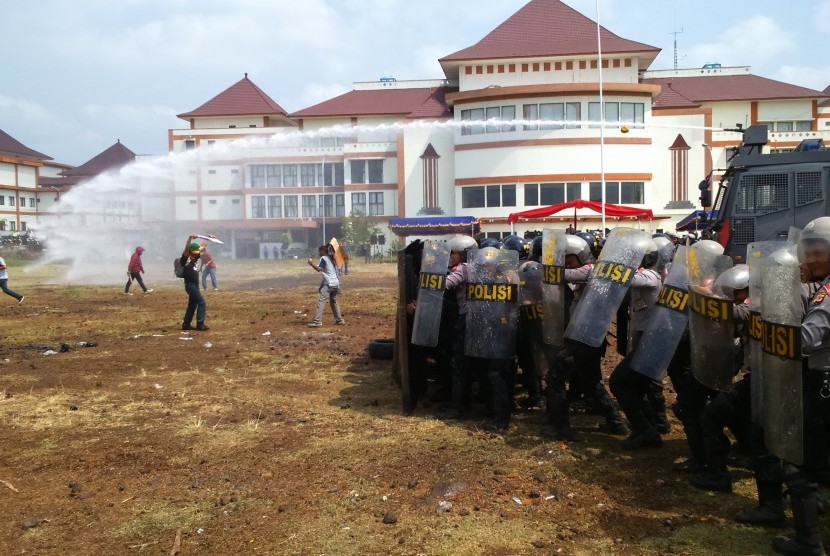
{"type": "Point", "coordinates": [619, 211]}
{"type": "Point", "coordinates": [697, 220]}
{"type": "Point", "coordinates": [435, 226]}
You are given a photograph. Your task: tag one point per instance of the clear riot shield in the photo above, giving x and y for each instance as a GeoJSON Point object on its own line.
{"type": "Point", "coordinates": [554, 243]}
{"type": "Point", "coordinates": [668, 323]}
{"type": "Point", "coordinates": [435, 259]}
{"type": "Point", "coordinates": [492, 303]}
{"type": "Point", "coordinates": [620, 257]}
{"type": "Point", "coordinates": [711, 326]}
{"type": "Point", "coordinates": [756, 254]}
{"type": "Point", "coordinates": [531, 309]}
{"type": "Point", "coordinates": [781, 313]}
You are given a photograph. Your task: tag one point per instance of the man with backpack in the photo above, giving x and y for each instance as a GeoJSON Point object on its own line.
{"type": "Point", "coordinates": [189, 263]}
{"type": "Point", "coordinates": [329, 287]}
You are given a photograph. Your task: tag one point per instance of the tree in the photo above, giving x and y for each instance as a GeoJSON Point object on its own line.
{"type": "Point", "coordinates": [358, 228]}
{"type": "Point", "coordinates": [286, 240]}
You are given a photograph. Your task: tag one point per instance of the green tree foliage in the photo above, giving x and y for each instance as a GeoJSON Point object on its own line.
{"type": "Point", "coordinates": [286, 240]}
{"type": "Point", "coordinates": [358, 228]}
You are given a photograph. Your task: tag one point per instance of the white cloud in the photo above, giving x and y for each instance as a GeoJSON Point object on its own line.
{"type": "Point", "coordinates": [815, 77]}
{"type": "Point", "coordinates": [26, 111]}
{"type": "Point", "coordinates": [821, 18]}
{"type": "Point", "coordinates": [751, 42]}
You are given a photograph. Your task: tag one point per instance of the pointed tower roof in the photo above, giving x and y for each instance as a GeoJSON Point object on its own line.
{"type": "Point", "coordinates": [679, 144]}
{"type": "Point", "coordinates": [243, 98]}
{"type": "Point", "coordinates": [11, 146]}
{"type": "Point", "coordinates": [547, 28]}
{"type": "Point", "coordinates": [114, 157]}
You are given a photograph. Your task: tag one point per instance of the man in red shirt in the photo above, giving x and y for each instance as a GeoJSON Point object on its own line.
{"type": "Point", "coordinates": [134, 271]}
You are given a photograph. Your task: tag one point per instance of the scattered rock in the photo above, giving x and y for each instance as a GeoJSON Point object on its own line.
{"type": "Point", "coordinates": [31, 523]}
{"type": "Point", "coordinates": [538, 544]}
{"type": "Point", "coordinates": [73, 408]}
{"type": "Point", "coordinates": [74, 489]}
{"type": "Point", "coordinates": [412, 483]}
{"type": "Point", "coordinates": [389, 518]}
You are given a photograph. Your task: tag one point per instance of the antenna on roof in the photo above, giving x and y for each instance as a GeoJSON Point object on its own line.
{"type": "Point", "coordinates": [675, 33]}
{"type": "Point", "coordinates": [246, 73]}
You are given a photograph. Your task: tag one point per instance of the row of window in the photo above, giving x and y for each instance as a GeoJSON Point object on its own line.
{"type": "Point", "coordinates": [312, 206]}
{"type": "Point", "coordinates": [801, 125]}
{"type": "Point", "coordinates": [543, 194]}
{"type": "Point", "coordinates": [316, 174]}
{"type": "Point", "coordinates": [12, 201]}
{"type": "Point", "coordinates": [556, 115]}
{"type": "Point", "coordinates": [546, 66]}
{"type": "Point", "coordinates": [11, 226]}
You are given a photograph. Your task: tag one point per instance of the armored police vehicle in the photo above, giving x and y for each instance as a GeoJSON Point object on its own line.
{"type": "Point", "coordinates": [762, 195]}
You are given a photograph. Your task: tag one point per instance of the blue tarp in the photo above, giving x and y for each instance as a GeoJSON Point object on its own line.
{"type": "Point", "coordinates": [697, 220]}
{"type": "Point", "coordinates": [435, 226]}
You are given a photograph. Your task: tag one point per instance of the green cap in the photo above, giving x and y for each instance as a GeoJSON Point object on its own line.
{"type": "Point", "coordinates": [195, 246]}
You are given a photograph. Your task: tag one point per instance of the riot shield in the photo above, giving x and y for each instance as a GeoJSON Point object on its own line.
{"type": "Point", "coordinates": [781, 312]}
{"type": "Point", "coordinates": [492, 303]}
{"type": "Point", "coordinates": [554, 243]}
{"type": "Point", "coordinates": [756, 254]}
{"type": "Point", "coordinates": [435, 259]}
{"type": "Point", "coordinates": [711, 326]}
{"type": "Point", "coordinates": [531, 310]}
{"type": "Point", "coordinates": [668, 322]}
{"type": "Point", "coordinates": [622, 254]}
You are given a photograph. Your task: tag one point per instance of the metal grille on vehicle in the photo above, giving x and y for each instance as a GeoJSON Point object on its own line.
{"type": "Point", "coordinates": [762, 193]}
{"type": "Point", "coordinates": [808, 188]}
{"type": "Point", "coordinates": [743, 230]}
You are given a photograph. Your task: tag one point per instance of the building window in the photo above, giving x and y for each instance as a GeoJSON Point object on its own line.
{"type": "Point", "coordinates": [212, 172]}
{"type": "Point", "coordinates": [543, 194]}
{"type": "Point", "coordinates": [290, 202]}
{"type": "Point", "coordinates": [211, 142]}
{"type": "Point", "coordinates": [359, 202]}
{"type": "Point", "coordinates": [308, 175]}
{"type": "Point", "coordinates": [489, 196]}
{"type": "Point", "coordinates": [627, 192]}
{"type": "Point", "coordinates": [12, 226]}
{"type": "Point", "coordinates": [11, 200]}
{"type": "Point", "coordinates": [273, 175]}
{"type": "Point", "coordinates": [189, 144]}
{"type": "Point", "coordinates": [22, 226]}
{"type": "Point", "coordinates": [802, 125]}
{"type": "Point", "coordinates": [631, 112]}
{"type": "Point", "coordinates": [367, 171]}
{"type": "Point", "coordinates": [530, 112]}
{"type": "Point", "coordinates": [274, 206]}
{"type": "Point", "coordinates": [2, 199]}
{"type": "Point", "coordinates": [2, 225]}
{"type": "Point", "coordinates": [289, 175]}
{"type": "Point", "coordinates": [257, 176]}
{"type": "Point", "coordinates": [375, 170]}
{"type": "Point", "coordinates": [326, 208]}
{"type": "Point", "coordinates": [309, 206]}
{"type": "Point", "coordinates": [193, 201]}
{"type": "Point", "coordinates": [472, 115]}
{"type": "Point", "coordinates": [358, 171]}
{"type": "Point", "coordinates": [235, 201]}
{"type": "Point", "coordinates": [330, 174]}
{"type": "Point", "coordinates": [375, 203]}
{"type": "Point", "coordinates": [258, 206]}
{"type": "Point", "coordinates": [212, 202]}
{"type": "Point", "coordinates": [491, 113]}
{"type": "Point", "coordinates": [339, 205]}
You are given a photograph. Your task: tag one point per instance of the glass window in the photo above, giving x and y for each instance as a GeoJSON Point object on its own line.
{"type": "Point", "coordinates": [11, 200]}
{"type": "Point", "coordinates": [552, 112]}
{"type": "Point", "coordinates": [358, 171]}
{"type": "Point", "coordinates": [804, 125]}
{"type": "Point", "coordinates": [290, 202]}
{"type": "Point", "coordinates": [308, 175]}
{"type": "Point", "coordinates": [31, 202]}
{"type": "Point", "coordinates": [530, 112]}
{"type": "Point", "coordinates": [375, 171]}
{"type": "Point", "coordinates": [493, 195]}
{"type": "Point", "coordinates": [22, 226]}
{"type": "Point", "coordinates": [508, 113]}
{"type": "Point", "coordinates": [289, 175]}
{"type": "Point", "coordinates": [339, 173]}
{"type": "Point", "coordinates": [531, 194]}
{"type": "Point", "coordinates": [359, 202]}
{"type": "Point", "coordinates": [573, 113]}
{"type": "Point", "coordinates": [508, 195]}
{"type": "Point", "coordinates": [340, 205]}
{"type": "Point", "coordinates": [472, 197]}
{"type": "Point", "coordinates": [612, 111]}
{"type": "Point", "coordinates": [632, 193]}
{"type": "Point", "coordinates": [551, 193]}
{"type": "Point", "coordinates": [593, 113]}
{"type": "Point", "coordinates": [326, 206]}
{"type": "Point", "coordinates": [189, 144]}
{"type": "Point", "coordinates": [574, 191]}
{"type": "Point", "coordinates": [258, 175]}
{"type": "Point", "coordinates": [492, 113]}
{"type": "Point", "coordinates": [274, 175]}
{"type": "Point", "coordinates": [627, 112]}
{"type": "Point", "coordinates": [309, 206]}
{"type": "Point", "coordinates": [12, 225]}
{"type": "Point", "coordinates": [274, 206]}
{"type": "Point", "coordinates": [258, 206]}
{"type": "Point", "coordinates": [375, 203]}
{"type": "Point", "coordinates": [784, 126]}
{"type": "Point", "coordinates": [472, 115]}
{"type": "Point", "coordinates": [612, 191]}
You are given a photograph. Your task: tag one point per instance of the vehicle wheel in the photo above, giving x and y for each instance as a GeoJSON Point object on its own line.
{"type": "Point", "coordinates": [381, 349]}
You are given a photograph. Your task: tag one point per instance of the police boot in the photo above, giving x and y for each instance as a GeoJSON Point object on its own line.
{"type": "Point", "coordinates": [770, 509]}
{"type": "Point", "coordinates": [714, 480]}
{"type": "Point", "coordinates": [646, 438]}
{"type": "Point", "coordinates": [807, 539]}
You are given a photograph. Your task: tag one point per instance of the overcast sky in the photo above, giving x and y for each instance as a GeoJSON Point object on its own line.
{"type": "Point", "coordinates": [75, 76]}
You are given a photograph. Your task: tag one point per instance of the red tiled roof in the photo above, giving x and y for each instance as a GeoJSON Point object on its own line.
{"type": "Point", "coordinates": [679, 143]}
{"type": "Point", "coordinates": [424, 102]}
{"type": "Point", "coordinates": [670, 98]}
{"type": "Point", "coordinates": [10, 145]}
{"type": "Point", "coordinates": [546, 28]}
{"type": "Point", "coordinates": [825, 102]}
{"type": "Point", "coordinates": [240, 99]}
{"type": "Point", "coordinates": [707, 88]}
{"type": "Point", "coordinates": [114, 157]}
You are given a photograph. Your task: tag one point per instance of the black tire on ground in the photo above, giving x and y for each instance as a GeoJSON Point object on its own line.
{"type": "Point", "coordinates": [381, 349]}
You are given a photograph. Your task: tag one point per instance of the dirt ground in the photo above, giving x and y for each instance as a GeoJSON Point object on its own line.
{"type": "Point", "coordinates": [264, 436]}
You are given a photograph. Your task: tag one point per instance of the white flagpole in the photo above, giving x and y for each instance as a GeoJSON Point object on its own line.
{"type": "Point", "coordinates": [602, 121]}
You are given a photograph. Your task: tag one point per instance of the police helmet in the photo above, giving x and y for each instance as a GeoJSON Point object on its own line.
{"type": "Point", "coordinates": [735, 278]}
{"type": "Point", "coordinates": [576, 245]}
{"type": "Point", "coordinates": [709, 246]}
{"type": "Point", "coordinates": [665, 249]}
{"type": "Point", "coordinates": [530, 272]}
{"type": "Point", "coordinates": [489, 242]}
{"type": "Point", "coordinates": [518, 244]}
{"type": "Point", "coordinates": [816, 230]}
{"type": "Point", "coordinates": [652, 256]}
{"type": "Point", "coordinates": [461, 243]}
{"type": "Point", "coordinates": [592, 240]}
{"type": "Point", "coordinates": [536, 248]}
{"type": "Point", "coordinates": [661, 234]}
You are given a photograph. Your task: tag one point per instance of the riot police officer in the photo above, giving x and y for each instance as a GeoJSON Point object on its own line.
{"type": "Point", "coordinates": [814, 254]}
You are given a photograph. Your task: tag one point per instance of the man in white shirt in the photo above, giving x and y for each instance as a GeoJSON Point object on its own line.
{"type": "Point", "coordinates": [329, 287]}
{"type": "Point", "coordinates": [4, 279]}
